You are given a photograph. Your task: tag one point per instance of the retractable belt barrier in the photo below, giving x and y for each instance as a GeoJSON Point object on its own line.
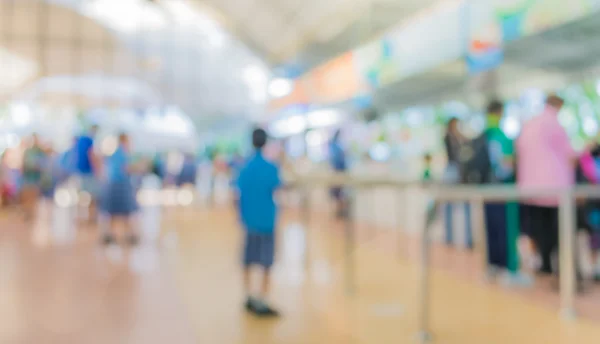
{"type": "Point", "coordinates": [477, 196]}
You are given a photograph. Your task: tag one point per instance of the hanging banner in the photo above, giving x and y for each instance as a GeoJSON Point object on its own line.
{"type": "Point", "coordinates": [483, 36]}
{"type": "Point", "coordinates": [521, 18]}
{"type": "Point", "coordinates": [335, 81]}
{"type": "Point", "coordinates": [471, 31]}
{"type": "Point", "coordinates": [375, 64]}
{"type": "Point", "coordinates": [422, 44]}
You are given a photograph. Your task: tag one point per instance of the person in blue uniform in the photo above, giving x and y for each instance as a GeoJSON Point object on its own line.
{"type": "Point", "coordinates": [118, 199]}
{"type": "Point", "coordinates": [188, 172]}
{"type": "Point", "coordinates": [257, 182]}
{"type": "Point", "coordinates": [85, 167]}
{"type": "Point", "coordinates": [337, 157]}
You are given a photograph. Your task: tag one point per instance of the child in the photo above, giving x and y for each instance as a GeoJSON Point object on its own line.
{"type": "Point", "coordinates": [427, 168]}
{"type": "Point", "coordinates": [119, 194]}
{"type": "Point", "coordinates": [257, 182]}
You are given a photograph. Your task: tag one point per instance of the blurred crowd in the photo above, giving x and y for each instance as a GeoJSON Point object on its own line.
{"type": "Point", "coordinates": [108, 176]}
{"type": "Point", "coordinates": [525, 235]}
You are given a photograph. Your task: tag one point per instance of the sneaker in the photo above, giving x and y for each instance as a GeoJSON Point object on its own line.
{"type": "Point", "coordinates": [249, 305]}
{"type": "Point", "coordinates": [108, 239]}
{"type": "Point", "coordinates": [492, 273]}
{"type": "Point", "coordinates": [261, 309]}
{"type": "Point", "coordinates": [517, 279]}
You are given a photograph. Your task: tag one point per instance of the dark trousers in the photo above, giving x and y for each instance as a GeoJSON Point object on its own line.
{"type": "Point", "coordinates": [543, 226]}
{"type": "Point", "coordinates": [496, 224]}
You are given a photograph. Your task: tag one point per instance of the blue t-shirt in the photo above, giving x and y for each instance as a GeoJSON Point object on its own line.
{"type": "Point", "coordinates": [68, 161]}
{"type": "Point", "coordinates": [257, 183]}
{"type": "Point", "coordinates": [337, 156]}
{"type": "Point", "coordinates": [188, 172]}
{"type": "Point", "coordinates": [82, 148]}
{"type": "Point", "coordinates": [116, 166]}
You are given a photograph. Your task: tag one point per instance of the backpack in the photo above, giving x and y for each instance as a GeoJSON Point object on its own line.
{"type": "Point", "coordinates": [474, 161]}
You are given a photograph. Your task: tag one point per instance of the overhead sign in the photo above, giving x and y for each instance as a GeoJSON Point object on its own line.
{"type": "Point", "coordinates": [520, 18]}
{"type": "Point", "coordinates": [335, 81]}
{"type": "Point", "coordinates": [483, 37]}
{"type": "Point", "coordinates": [375, 63]}
{"type": "Point", "coordinates": [298, 95]}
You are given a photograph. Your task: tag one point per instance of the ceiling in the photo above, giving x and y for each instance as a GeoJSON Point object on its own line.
{"type": "Point", "coordinates": [213, 58]}
{"type": "Point", "coordinates": [304, 33]}
{"type": "Point", "coordinates": [183, 58]}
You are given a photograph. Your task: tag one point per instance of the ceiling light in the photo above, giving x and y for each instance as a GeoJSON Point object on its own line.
{"type": "Point", "coordinates": [511, 126]}
{"type": "Point", "coordinates": [323, 118]}
{"type": "Point", "coordinates": [254, 74]}
{"type": "Point", "coordinates": [20, 114]}
{"type": "Point", "coordinates": [280, 87]}
{"type": "Point", "coordinates": [15, 70]}
{"type": "Point", "coordinates": [126, 16]}
{"type": "Point", "coordinates": [188, 16]}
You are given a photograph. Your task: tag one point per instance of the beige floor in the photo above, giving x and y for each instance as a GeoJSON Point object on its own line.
{"type": "Point", "coordinates": [185, 288]}
{"type": "Point", "coordinates": [317, 310]}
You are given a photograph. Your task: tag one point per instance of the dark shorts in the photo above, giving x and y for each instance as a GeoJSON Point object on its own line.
{"type": "Point", "coordinates": [118, 198]}
{"type": "Point", "coordinates": [259, 249]}
{"type": "Point", "coordinates": [337, 193]}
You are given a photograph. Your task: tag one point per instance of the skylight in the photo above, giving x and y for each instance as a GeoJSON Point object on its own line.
{"type": "Point", "coordinates": [126, 16]}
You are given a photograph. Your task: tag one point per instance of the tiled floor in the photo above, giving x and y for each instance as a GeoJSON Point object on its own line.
{"type": "Point", "coordinates": [184, 286]}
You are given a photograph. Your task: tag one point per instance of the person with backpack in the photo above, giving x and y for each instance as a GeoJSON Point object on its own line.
{"type": "Point", "coordinates": [489, 159]}
{"type": "Point", "coordinates": [502, 218]}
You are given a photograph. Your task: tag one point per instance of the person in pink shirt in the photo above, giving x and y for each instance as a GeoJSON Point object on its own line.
{"type": "Point", "coordinates": [545, 160]}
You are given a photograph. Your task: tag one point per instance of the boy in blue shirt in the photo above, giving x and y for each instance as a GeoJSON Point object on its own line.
{"type": "Point", "coordinates": [257, 182]}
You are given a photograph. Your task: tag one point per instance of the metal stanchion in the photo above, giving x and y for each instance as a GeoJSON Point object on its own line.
{"type": "Point", "coordinates": [567, 255]}
{"type": "Point", "coordinates": [350, 245]}
{"type": "Point", "coordinates": [424, 330]}
{"type": "Point", "coordinates": [479, 229]}
{"type": "Point", "coordinates": [401, 218]}
{"type": "Point", "coordinates": [306, 223]}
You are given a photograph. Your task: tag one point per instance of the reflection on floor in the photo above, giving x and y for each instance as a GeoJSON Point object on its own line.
{"type": "Point", "coordinates": [183, 286]}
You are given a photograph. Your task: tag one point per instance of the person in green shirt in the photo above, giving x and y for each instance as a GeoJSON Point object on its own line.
{"type": "Point", "coordinates": [502, 219]}
{"type": "Point", "coordinates": [33, 159]}
{"type": "Point", "coordinates": [427, 168]}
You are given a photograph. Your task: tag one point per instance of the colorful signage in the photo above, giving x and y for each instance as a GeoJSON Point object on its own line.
{"type": "Point", "coordinates": [375, 64]}
{"type": "Point", "coordinates": [520, 18]}
{"type": "Point", "coordinates": [335, 81]}
{"type": "Point", "coordinates": [474, 30]}
{"type": "Point", "coordinates": [299, 95]}
{"type": "Point", "coordinates": [483, 37]}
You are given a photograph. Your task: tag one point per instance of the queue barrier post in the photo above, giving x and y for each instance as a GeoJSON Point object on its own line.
{"type": "Point", "coordinates": [477, 196]}
{"type": "Point", "coordinates": [306, 223]}
{"type": "Point", "coordinates": [424, 335]}
{"type": "Point", "coordinates": [567, 268]}
{"type": "Point", "coordinates": [350, 245]}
